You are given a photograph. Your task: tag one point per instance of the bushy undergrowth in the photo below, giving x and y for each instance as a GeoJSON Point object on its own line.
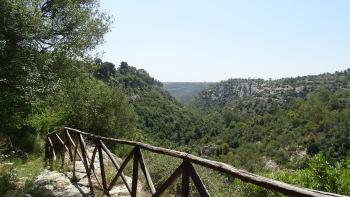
{"type": "Point", "coordinates": [7, 179]}
{"type": "Point", "coordinates": [319, 175]}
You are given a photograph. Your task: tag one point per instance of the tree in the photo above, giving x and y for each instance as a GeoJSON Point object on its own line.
{"type": "Point", "coordinates": [72, 27]}
{"type": "Point", "coordinates": [90, 105]}
{"type": "Point", "coordinates": [38, 41]}
{"type": "Point", "coordinates": [123, 68]}
{"type": "Point", "coordinates": [105, 70]}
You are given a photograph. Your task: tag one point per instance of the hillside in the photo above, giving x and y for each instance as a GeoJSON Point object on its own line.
{"type": "Point", "coordinates": [280, 122]}
{"type": "Point", "coordinates": [257, 125]}
{"type": "Point", "coordinates": [295, 130]}
{"type": "Point", "coordinates": [161, 118]}
{"type": "Point", "coordinates": [258, 95]}
{"type": "Point", "coordinates": [283, 121]}
{"type": "Point", "coordinates": [185, 91]}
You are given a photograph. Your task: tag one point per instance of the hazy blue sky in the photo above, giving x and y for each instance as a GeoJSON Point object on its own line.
{"type": "Point", "coordinates": [212, 40]}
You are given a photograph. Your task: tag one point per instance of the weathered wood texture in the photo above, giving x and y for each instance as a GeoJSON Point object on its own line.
{"type": "Point", "coordinates": [186, 169]}
{"type": "Point", "coordinates": [145, 171]}
{"type": "Point", "coordinates": [85, 162]}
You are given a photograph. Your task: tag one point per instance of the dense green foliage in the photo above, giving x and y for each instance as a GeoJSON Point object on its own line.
{"type": "Point", "coordinates": [47, 81]}
{"type": "Point", "coordinates": [285, 131]}
{"type": "Point", "coordinates": [319, 175]}
{"type": "Point", "coordinates": [36, 39]}
{"type": "Point", "coordinates": [319, 123]}
{"type": "Point", "coordinates": [162, 119]}
{"type": "Point", "coordinates": [46, 78]}
{"type": "Point", "coordinates": [90, 105]}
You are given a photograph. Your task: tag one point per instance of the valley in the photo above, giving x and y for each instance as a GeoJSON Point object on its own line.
{"type": "Point", "coordinates": [53, 76]}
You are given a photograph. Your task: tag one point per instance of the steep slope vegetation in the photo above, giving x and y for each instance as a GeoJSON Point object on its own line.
{"type": "Point", "coordinates": [269, 124]}
{"type": "Point", "coordinates": [161, 117]}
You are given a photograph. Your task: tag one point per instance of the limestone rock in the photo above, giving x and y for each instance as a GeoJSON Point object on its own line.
{"type": "Point", "coordinates": [57, 183]}
{"type": "Point", "coordinates": [271, 165]}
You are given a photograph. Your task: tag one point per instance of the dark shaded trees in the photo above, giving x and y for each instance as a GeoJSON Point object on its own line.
{"type": "Point", "coordinates": [105, 70]}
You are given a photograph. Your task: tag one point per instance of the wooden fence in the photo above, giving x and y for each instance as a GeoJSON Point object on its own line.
{"type": "Point", "coordinates": [71, 141]}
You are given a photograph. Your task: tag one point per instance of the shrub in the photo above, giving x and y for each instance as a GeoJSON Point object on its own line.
{"type": "Point", "coordinates": [7, 179]}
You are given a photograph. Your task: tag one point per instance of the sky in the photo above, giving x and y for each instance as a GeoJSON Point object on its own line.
{"type": "Point", "coordinates": [213, 40]}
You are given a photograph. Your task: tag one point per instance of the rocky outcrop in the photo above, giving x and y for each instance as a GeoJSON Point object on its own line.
{"type": "Point", "coordinates": [271, 165]}
{"type": "Point", "coordinates": [57, 183]}
{"type": "Point", "coordinates": [247, 92]}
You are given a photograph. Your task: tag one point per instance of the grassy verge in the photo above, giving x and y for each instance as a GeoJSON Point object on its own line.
{"type": "Point", "coordinates": [17, 176]}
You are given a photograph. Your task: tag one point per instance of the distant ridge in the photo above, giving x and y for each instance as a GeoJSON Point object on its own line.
{"type": "Point", "coordinates": [243, 93]}
{"type": "Point", "coordinates": [185, 91]}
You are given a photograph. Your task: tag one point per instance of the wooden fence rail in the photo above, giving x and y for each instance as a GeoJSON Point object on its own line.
{"type": "Point", "coordinates": [71, 141]}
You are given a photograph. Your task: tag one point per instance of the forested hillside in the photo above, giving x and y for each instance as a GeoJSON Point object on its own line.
{"type": "Point", "coordinates": [281, 122]}
{"type": "Point", "coordinates": [295, 129]}
{"type": "Point", "coordinates": [161, 118]}
{"type": "Point", "coordinates": [185, 91]}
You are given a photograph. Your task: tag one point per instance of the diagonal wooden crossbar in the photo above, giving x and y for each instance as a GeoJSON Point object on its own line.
{"type": "Point", "coordinates": [92, 167]}
{"type": "Point", "coordinates": [120, 171]}
{"type": "Point", "coordinates": [102, 167]}
{"type": "Point", "coordinates": [51, 148]}
{"type": "Point", "coordinates": [198, 182]}
{"type": "Point", "coordinates": [73, 143]}
{"type": "Point", "coordinates": [116, 165]}
{"type": "Point", "coordinates": [85, 162]}
{"type": "Point", "coordinates": [144, 170]}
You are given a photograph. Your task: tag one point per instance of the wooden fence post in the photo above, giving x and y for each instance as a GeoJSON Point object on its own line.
{"type": "Point", "coordinates": [102, 167]}
{"type": "Point", "coordinates": [135, 172]}
{"type": "Point", "coordinates": [52, 153]}
{"type": "Point", "coordinates": [185, 179]}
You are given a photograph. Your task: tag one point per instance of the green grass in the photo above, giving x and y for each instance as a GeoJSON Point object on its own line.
{"type": "Point", "coordinates": [30, 167]}
{"type": "Point", "coordinates": [17, 176]}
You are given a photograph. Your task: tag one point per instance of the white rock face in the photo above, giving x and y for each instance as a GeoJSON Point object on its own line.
{"type": "Point", "coordinates": [271, 165]}
{"type": "Point", "coordinates": [57, 183]}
